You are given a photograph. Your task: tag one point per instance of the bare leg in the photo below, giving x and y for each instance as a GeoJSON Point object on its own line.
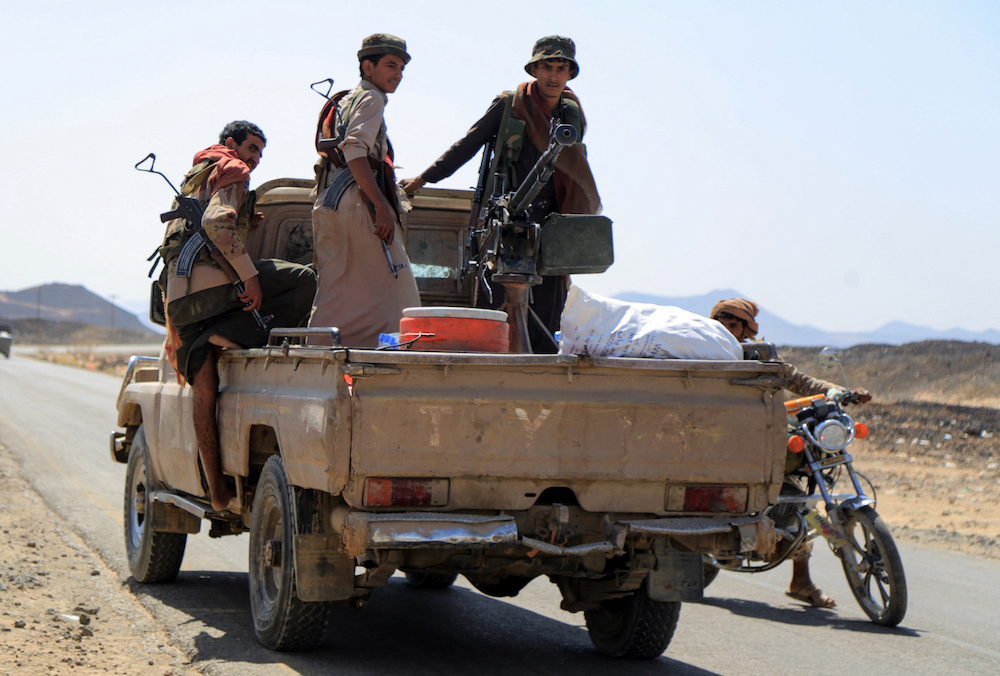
{"type": "Point", "coordinates": [205, 386]}
{"type": "Point", "coordinates": [222, 341]}
{"type": "Point", "coordinates": [802, 585]}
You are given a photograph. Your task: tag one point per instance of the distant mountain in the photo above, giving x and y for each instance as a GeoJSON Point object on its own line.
{"type": "Point", "coordinates": [776, 330]}
{"type": "Point", "coordinates": [66, 302]}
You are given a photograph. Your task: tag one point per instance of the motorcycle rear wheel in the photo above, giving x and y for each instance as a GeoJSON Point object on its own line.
{"type": "Point", "coordinates": [873, 567]}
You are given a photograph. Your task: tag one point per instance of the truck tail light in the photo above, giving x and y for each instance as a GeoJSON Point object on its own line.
{"type": "Point", "coordinates": [707, 499]}
{"type": "Point", "coordinates": [388, 492]}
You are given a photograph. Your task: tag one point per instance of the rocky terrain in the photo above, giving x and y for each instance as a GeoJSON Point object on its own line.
{"type": "Point", "coordinates": [934, 448]}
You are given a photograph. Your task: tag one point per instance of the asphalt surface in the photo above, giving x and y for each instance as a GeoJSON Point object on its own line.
{"type": "Point", "coordinates": [56, 421]}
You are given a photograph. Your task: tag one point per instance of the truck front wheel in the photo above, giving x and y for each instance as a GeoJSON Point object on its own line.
{"type": "Point", "coordinates": [634, 627]}
{"type": "Point", "coordinates": [152, 556]}
{"type": "Point", "coordinates": [281, 620]}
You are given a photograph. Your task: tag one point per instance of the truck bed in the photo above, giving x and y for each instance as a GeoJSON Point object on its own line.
{"type": "Point", "coordinates": [502, 429]}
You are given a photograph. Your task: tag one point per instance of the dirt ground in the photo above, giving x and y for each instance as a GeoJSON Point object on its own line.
{"type": "Point", "coordinates": [932, 461]}
{"type": "Point", "coordinates": [62, 611]}
{"type": "Point", "coordinates": [935, 470]}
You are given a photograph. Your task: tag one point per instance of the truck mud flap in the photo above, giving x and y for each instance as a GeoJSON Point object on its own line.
{"type": "Point", "coordinates": [322, 573]}
{"type": "Point", "coordinates": [678, 576]}
{"type": "Point", "coordinates": [430, 530]}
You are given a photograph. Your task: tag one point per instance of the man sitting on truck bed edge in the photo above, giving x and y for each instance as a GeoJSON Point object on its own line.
{"type": "Point", "coordinates": [204, 310]}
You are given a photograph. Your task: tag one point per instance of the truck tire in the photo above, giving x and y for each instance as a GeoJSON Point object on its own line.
{"type": "Point", "coordinates": [431, 580]}
{"type": "Point", "coordinates": [280, 619]}
{"type": "Point", "coordinates": [152, 556]}
{"type": "Point", "coordinates": [634, 627]}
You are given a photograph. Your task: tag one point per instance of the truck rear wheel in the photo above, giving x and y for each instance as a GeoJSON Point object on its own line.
{"type": "Point", "coordinates": [280, 619]}
{"type": "Point", "coordinates": [152, 556]}
{"type": "Point", "coordinates": [634, 627]}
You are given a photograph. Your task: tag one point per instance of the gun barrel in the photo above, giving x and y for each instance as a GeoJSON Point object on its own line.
{"type": "Point", "coordinates": [562, 136]}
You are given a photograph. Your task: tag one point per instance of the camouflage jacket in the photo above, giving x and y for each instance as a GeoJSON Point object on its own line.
{"type": "Point", "coordinates": [220, 181]}
{"type": "Point", "coordinates": [804, 385]}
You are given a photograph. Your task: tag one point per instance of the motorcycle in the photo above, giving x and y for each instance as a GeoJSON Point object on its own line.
{"type": "Point", "coordinates": [819, 432]}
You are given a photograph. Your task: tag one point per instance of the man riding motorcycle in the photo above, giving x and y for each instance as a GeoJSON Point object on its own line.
{"type": "Point", "coordinates": [738, 315]}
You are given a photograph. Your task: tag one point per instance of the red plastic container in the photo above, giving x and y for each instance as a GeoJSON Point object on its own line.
{"type": "Point", "coordinates": [445, 329]}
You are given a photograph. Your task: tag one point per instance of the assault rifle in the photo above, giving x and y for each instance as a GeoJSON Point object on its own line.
{"type": "Point", "coordinates": [190, 209]}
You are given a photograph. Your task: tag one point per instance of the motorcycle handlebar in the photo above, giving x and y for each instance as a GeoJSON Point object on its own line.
{"type": "Point", "coordinates": [851, 398]}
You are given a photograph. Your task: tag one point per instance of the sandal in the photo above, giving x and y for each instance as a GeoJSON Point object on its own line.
{"type": "Point", "coordinates": [812, 595]}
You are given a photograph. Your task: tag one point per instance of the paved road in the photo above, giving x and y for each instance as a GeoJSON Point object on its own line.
{"type": "Point", "coordinates": [56, 420]}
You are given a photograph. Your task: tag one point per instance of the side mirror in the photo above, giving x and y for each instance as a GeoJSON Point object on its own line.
{"type": "Point", "coordinates": [828, 357]}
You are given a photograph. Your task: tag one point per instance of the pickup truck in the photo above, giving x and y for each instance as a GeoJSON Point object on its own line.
{"type": "Point", "coordinates": [611, 476]}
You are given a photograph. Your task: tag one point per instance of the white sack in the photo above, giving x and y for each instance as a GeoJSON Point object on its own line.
{"type": "Point", "coordinates": [605, 327]}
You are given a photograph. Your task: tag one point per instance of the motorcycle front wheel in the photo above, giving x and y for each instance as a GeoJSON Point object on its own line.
{"type": "Point", "coordinates": [873, 568]}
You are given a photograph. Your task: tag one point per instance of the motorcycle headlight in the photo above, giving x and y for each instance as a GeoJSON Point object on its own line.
{"type": "Point", "coordinates": [832, 434]}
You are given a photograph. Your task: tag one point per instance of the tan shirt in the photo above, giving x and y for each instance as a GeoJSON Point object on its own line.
{"type": "Point", "coordinates": [361, 116]}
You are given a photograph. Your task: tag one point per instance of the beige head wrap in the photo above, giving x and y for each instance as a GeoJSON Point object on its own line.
{"type": "Point", "coordinates": [739, 307]}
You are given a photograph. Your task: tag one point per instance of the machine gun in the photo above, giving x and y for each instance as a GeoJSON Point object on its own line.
{"type": "Point", "coordinates": [190, 209]}
{"type": "Point", "coordinates": [514, 250]}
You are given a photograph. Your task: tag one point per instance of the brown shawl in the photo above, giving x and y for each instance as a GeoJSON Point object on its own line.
{"type": "Point", "coordinates": [576, 192]}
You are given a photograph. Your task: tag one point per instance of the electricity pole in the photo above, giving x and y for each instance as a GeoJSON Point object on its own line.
{"type": "Point", "coordinates": [113, 298]}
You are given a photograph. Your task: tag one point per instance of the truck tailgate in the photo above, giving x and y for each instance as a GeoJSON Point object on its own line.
{"type": "Point", "coordinates": [503, 428]}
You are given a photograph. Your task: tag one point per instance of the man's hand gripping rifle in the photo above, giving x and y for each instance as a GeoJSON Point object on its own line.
{"type": "Point", "coordinates": [508, 239]}
{"type": "Point", "coordinates": [190, 209]}
{"type": "Point", "coordinates": [331, 147]}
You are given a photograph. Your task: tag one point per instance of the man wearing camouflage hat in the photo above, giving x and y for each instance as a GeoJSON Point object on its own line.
{"type": "Point", "coordinates": [518, 125]}
{"type": "Point", "coordinates": [358, 204]}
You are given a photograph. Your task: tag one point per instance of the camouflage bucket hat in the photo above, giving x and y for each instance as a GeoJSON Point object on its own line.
{"type": "Point", "coordinates": [554, 47]}
{"type": "Point", "coordinates": [383, 43]}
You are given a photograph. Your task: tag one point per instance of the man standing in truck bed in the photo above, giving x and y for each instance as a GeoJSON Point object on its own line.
{"type": "Point", "coordinates": [358, 204]}
{"type": "Point", "coordinates": [520, 122]}
{"type": "Point", "coordinates": [204, 310]}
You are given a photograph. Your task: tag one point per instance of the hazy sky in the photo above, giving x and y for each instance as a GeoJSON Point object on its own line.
{"type": "Point", "coordinates": [837, 162]}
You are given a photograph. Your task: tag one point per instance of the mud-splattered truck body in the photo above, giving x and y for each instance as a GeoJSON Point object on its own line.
{"type": "Point", "coordinates": [610, 476]}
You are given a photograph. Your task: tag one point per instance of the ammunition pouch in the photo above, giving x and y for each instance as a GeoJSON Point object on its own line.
{"type": "Point", "coordinates": [571, 244]}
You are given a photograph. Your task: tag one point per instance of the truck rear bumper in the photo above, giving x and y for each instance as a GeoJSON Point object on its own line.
{"type": "Point", "coordinates": [747, 533]}
{"type": "Point", "coordinates": [429, 530]}
{"type": "Point", "coordinates": [433, 530]}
